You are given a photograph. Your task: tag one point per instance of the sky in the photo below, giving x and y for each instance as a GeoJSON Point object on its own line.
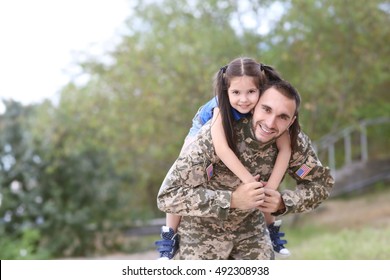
{"type": "Point", "coordinates": [39, 40]}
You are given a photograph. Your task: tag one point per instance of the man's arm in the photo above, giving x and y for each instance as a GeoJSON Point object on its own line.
{"type": "Point", "coordinates": [185, 189]}
{"type": "Point", "coordinates": [314, 181]}
{"type": "Point", "coordinates": [184, 192]}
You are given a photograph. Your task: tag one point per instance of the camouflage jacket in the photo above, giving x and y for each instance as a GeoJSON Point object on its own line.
{"type": "Point", "coordinates": [198, 186]}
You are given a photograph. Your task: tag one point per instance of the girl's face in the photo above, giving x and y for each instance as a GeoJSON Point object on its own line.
{"type": "Point", "coordinates": [243, 94]}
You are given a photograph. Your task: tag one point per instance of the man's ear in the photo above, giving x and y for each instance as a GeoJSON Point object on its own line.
{"type": "Point", "coordinates": [292, 121]}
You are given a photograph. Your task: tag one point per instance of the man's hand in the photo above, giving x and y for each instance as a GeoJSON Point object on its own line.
{"type": "Point", "coordinates": [248, 196]}
{"type": "Point", "coordinates": [272, 201]}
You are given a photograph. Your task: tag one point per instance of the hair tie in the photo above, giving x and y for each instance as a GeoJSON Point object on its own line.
{"type": "Point", "coordinates": [223, 69]}
{"type": "Point", "coordinates": [261, 67]}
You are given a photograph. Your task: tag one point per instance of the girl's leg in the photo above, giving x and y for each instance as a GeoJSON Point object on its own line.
{"type": "Point", "coordinates": [169, 242]}
{"type": "Point", "coordinates": [172, 221]}
{"type": "Point", "coordinates": [269, 219]}
{"type": "Point", "coordinates": [276, 234]}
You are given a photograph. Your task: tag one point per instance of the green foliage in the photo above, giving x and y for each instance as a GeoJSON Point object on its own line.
{"type": "Point", "coordinates": [334, 52]}
{"type": "Point", "coordinates": [25, 247]}
{"type": "Point", "coordinates": [54, 185]}
{"type": "Point", "coordinates": [19, 173]}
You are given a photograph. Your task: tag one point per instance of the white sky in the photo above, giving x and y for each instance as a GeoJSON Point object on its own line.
{"type": "Point", "coordinates": [38, 37]}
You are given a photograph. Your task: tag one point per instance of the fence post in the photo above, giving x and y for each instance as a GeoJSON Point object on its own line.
{"type": "Point", "coordinates": [347, 147]}
{"type": "Point", "coordinates": [363, 142]}
{"type": "Point", "coordinates": [332, 161]}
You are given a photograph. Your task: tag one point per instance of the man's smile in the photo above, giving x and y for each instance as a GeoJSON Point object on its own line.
{"type": "Point", "coordinates": [265, 130]}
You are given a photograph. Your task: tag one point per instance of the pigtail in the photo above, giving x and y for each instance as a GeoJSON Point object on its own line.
{"type": "Point", "coordinates": [221, 92]}
{"type": "Point", "coordinates": [270, 73]}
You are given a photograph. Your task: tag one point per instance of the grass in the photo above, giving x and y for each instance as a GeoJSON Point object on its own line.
{"type": "Point", "coordinates": [354, 228]}
{"type": "Point", "coordinates": [346, 244]}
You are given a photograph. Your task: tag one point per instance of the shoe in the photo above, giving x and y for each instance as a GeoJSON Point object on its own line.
{"type": "Point", "coordinates": [168, 244]}
{"type": "Point", "coordinates": [277, 243]}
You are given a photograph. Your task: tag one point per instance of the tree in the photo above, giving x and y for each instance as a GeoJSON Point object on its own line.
{"type": "Point", "coordinates": [20, 173]}
{"type": "Point", "coordinates": [59, 190]}
{"type": "Point", "coordinates": [334, 52]}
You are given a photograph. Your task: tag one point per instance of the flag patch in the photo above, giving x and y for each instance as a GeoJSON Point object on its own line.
{"type": "Point", "coordinates": [209, 171]}
{"type": "Point", "coordinates": [303, 171]}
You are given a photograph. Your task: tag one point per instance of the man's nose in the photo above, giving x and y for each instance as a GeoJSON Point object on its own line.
{"type": "Point", "coordinates": [271, 121]}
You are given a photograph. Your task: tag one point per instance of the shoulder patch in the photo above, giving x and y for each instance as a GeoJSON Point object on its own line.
{"type": "Point", "coordinates": [303, 171]}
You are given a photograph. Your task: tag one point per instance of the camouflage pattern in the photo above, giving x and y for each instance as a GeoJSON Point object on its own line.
{"type": "Point", "coordinates": [209, 229]}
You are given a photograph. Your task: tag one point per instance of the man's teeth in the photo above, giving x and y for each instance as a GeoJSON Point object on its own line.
{"type": "Point", "coordinates": [265, 130]}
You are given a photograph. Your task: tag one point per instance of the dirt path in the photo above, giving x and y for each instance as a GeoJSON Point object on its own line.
{"type": "Point", "coordinates": [150, 255]}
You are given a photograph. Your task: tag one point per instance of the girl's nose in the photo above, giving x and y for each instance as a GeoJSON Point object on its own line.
{"type": "Point", "coordinates": [243, 98]}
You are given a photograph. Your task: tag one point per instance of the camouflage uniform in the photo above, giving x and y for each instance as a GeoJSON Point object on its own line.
{"type": "Point", "coordinates": [199, 186]}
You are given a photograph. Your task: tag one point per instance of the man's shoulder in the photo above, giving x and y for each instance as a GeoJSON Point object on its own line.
{"type": "Point", "coordinates": [303, 140]}
{"type": "Point", "coordinates": [202, 143]}
{"type": "Point", "coordinates": [303, 149]}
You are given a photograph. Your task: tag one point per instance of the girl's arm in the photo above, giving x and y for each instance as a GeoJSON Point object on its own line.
{"type": "Point", "coordinates": [282, 160]}
{"type": "Point", "coordinates": [224, 152]}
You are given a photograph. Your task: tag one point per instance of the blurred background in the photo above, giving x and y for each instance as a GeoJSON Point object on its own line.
{"type": "Point", "coordinates": [80, 171]}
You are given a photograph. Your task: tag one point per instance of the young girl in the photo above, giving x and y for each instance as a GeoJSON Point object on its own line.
{"type": "Point", "coordinates": [229, 105]}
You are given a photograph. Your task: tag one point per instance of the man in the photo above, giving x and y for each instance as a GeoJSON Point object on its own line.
{"type": "Point", "coordinates": [220, 216]}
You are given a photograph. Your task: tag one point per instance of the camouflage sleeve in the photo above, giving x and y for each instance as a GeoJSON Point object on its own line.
{"type": "Point", "coordinates": [187, 191]}
{"type": "Point", "coordinates": [314, 181]}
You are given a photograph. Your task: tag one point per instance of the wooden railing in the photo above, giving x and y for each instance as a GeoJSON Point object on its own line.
{"type": "Point", "coordinates": [356, 172]}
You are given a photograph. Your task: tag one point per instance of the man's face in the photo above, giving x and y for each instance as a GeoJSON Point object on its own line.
{"type": "Point", "coordinates": [273, 115]}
